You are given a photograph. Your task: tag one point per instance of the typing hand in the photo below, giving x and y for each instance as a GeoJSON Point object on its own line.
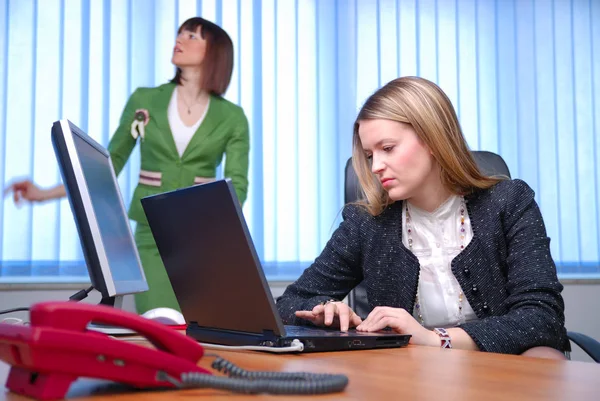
{"type": "Point", "coordinates": [401, 322]}
{"type": "Point", "coordinates": [334, 314]}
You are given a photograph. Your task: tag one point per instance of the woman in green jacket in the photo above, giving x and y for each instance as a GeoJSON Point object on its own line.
{"type": "Point", "coordinates": [184, 127]}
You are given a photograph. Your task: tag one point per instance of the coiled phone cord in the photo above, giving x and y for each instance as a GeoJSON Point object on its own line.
{"type": "Point", "coordinates": [243, 381]}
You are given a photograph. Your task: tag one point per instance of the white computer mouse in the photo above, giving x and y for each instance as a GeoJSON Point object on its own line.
{"type": "Point", "coordinates": [165, 316]}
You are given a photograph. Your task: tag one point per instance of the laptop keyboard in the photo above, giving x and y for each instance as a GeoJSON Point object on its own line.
{"type": "Point", "coordinates": [305, 331]}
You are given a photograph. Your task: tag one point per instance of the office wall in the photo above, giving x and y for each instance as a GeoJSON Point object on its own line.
{"type": "Point", "coordinates": [581, 301]}
{"type": "Point", "coordinates": [523, 76]}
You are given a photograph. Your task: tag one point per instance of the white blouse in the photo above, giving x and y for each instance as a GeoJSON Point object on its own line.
{"type": "Point", "coordinates": [182, 134]}
{"type": "Point", "coordinates": [435, 242]}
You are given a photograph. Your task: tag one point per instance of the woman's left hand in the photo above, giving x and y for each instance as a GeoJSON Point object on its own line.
{"type": "Point", "coordinates": [401, 322]}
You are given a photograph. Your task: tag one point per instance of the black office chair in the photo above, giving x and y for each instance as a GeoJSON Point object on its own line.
{"type": "Point", "coordinates": [490, 164]}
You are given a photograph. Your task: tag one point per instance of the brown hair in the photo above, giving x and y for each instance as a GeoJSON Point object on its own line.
{"type": "Point", "coordinates": [423, 105]}
{"type": "Point", "coordinates": [218, 60]}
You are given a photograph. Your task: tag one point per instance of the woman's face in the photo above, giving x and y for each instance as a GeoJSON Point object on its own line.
{"type": "Point", "coordinates": [400, 160]}
{"type": "Point", "coordinates": [189, 49]}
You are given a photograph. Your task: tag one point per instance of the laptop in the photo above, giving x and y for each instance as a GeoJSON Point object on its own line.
{"type": "Point", "coordinates": [209, 256]}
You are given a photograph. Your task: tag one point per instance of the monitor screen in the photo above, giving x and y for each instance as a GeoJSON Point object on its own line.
{"type": "Point", "coordinates": [92, 189]}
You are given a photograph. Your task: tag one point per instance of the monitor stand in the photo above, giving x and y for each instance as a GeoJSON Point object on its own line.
{"type": "Point", "coordinates": [116, 301]}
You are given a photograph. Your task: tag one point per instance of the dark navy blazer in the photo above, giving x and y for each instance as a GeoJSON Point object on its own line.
{"type": "Point", "coordinates": [506, 271]}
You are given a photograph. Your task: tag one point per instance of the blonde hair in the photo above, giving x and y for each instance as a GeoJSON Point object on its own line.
{"type": "Point", "coordinates": [423, 105]}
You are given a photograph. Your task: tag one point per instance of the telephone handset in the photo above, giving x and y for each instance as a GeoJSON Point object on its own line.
{"type": "Point", "coordinates": [56, 348]}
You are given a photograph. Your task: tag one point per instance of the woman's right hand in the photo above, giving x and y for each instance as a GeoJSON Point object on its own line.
{"type": "Point", "coordinates": [336, 314]}
{"type": "Point", "coordinates": [27, 190]}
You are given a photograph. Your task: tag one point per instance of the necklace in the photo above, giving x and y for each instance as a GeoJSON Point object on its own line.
{"type": "Point", "coordinates": [461, 233]}
{"type": "Point", "coordinates": [189, 107]}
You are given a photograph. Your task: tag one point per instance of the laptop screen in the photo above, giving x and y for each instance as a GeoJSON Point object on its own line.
{"type": "Point", "coordinates": [205, 245]}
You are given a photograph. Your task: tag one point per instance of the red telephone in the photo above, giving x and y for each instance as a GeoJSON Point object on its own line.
{"type": "Point", "coordinates": [57, 348]}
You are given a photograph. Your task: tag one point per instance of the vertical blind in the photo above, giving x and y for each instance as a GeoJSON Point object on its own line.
{"type": "Point", "coordinates": [523, 75]}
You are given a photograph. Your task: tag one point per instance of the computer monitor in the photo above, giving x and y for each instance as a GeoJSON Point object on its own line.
{"type": "Point", "coordinates": [92, 188]}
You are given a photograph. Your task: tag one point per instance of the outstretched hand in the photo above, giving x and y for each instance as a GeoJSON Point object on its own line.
{"type": "Point", "coordinates": [25, 190]}
{"type": "Point", "coordinates": [333, 314]}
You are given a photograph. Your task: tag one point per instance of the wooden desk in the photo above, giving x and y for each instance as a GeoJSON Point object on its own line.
{"type": "Point", "coordinates": [412, 373]}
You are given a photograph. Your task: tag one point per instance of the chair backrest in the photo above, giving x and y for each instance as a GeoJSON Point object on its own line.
{"type": "Point", "coordinates": [488, 162]}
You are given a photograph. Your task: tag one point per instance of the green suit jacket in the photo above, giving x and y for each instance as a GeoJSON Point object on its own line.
{"type": "Point", "coordinates": [224, 131]}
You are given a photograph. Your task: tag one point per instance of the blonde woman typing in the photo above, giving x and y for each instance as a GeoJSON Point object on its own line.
{"type": "Point", "coordinates": [448, 255]}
